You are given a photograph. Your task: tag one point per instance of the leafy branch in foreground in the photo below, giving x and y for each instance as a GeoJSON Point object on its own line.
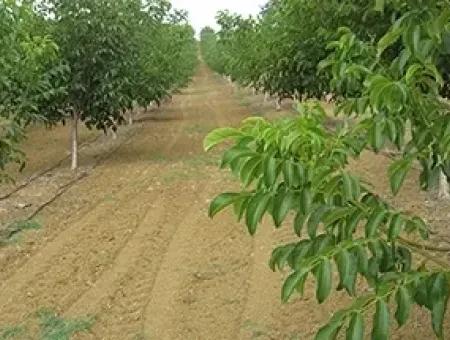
{"type": "Point", "coordinates": [297, 167]}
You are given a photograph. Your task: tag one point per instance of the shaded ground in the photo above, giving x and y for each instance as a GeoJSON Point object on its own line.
{"type": "Point", "coordinates": [130, 243]}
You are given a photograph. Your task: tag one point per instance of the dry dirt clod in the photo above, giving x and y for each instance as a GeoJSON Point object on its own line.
{"type": "Point", "coordinates": [23, 205]}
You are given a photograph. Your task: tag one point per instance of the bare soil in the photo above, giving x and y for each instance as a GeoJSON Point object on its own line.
{"type": "Point", "coordinates": [129, 242]}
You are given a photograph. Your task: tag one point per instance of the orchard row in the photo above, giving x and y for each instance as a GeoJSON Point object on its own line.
{"type": "Point", "coordinates": [387, 62]}
{"type": "Point", "coordinates": [88, 60]}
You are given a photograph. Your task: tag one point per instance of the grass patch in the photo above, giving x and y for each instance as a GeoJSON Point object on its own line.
{"type": "Point", "coordinates": [53, 327]}
{"type": "Point", "coordinates": [46, 325]}
{"type": "Point", "coordinates": [11, 333]}
{"type": "Point", "coordinates": [12, 232]}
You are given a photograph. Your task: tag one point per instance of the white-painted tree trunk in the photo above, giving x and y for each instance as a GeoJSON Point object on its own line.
{"type": "Point", "coordinates": [278, 104]}
{"type": "Point", "coordinates": [74, 141]}
{"type": "Point", "coordinates": [266, 97]}
{"type": "Point", "coordinates": [444, 188]}
{"type": "Point", "coordinates": [329, 98]}
{"type": "Point", "coordinates": [130, 117]}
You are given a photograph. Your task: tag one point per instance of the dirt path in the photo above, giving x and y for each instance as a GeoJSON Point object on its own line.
{"type": "Point", "coordinates": [131, 243]}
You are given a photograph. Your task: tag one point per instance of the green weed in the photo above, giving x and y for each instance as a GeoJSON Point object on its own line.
{"type": "Point", "coordinates": [46, 325]}
{"type": "Point", "coordinates": [53, 327]}
{"type": "Point", "coordinates": [13, 332]}
{"type": "Point", "coordinates": [11, 233]}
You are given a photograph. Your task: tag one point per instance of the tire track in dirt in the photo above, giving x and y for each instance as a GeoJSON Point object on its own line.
{"type": "Point", "coordinates": [201, 274]}
{"type": "Point", "coordinates": [74, 214]}
{"type": "Point", "coordinates": [118, 296]}
{"type": "Point", "coordinates": [131, 277]}
{"type": "Point", "coordinates": [68, 265]}
{"type": "Point", "coordinates": [66, 249]}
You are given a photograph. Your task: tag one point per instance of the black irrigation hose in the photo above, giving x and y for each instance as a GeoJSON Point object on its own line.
{"type": "Point", "coordinates": [10, 232]}
{"type": "Point", "coordinates": [67, 186]}
{"type": "Point", "coordinates": [34, 177]}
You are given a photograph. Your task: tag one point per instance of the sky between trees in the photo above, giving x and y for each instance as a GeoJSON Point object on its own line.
{"type": "Point", "coordinates": [202, 12]}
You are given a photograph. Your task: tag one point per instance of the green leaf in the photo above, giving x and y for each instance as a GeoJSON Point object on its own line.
{"type": "Point", "coordinates": [437, 317]}
{"type": "Point", "coordinates": [270, 171]}
{"type": "Point", "coordinates": [438, 293]}
{"type": "Point", "coordinates": [355, 330]}
{"type": "Point", "coordinates": [396, 226]}
{"type": "Point", "coordinates": [314, 220]}
{"type": "Point", "coordinates": [389, 38]}
{"type": "Point", "coordinates": [280, 256]}
{"type": "Point", "coordinates": [377, 135]}
{"type": "Point", "coordinates": [282, 203]}
{"type": "Point", "coordinates": [306, 201]}
{"type": "Point", "coordinates": [220, 135]}
{"type": "Point", "coordinates": [221, 202]}
{"type": "Point", "coordinates": [324, 280]}
{"type": "Point", "coordinates": [391, 130]}
{"type": "Point", "coordinates": [291, 284]}
{"type": "Point", "coordinates": [299, 222]}
{"type": "Point", "coordinates": [348, 186]}
{"type": "Point", "coordinates": [255, 211]}
{"type": "Point", "coordinates": [240, 205]}
{"type": "Point", "coordinates": [404, 304]}
{"type": "Point", "coordinates": [344, 263]}
{"type": "Point", "coordinates": [381, 321]}
{"type": "Point", "coordinates": [249, 170]}
{"type": "Point", "coordinates": [374, 222]}
{"type": "Point", "coordinates": [397, 173]}
{"type": "Point", "coordinates": [289, 173]}
{"type": "Point", "coordinates": [234, 155]}
{"type": "Point", "coordinates": [411, 72]}
{"type": "Point", "coordinates": [421, 226]}
{"type": "Point", "coordinates": [362, 259]}
{"type": "Point", "coordinates": [352, 223]}
{"type": "Point", "coordinates": [331, 329]}
{"type": "Point", "coordinates": [379, 5]}
{"type": "Point", "coordinates": [337, 214]}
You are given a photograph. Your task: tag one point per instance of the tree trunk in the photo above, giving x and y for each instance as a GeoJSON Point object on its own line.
{"type": "Point", "coordinates": [278, 104]}
{"type": "Point", "coordinates": [266, 97]}
{"type": "Point", "coordinates": [74, 141]}
{"type": "Point", "coordinates": [130, 117]}
{"type": "Point", "coordinates": [444, 190]}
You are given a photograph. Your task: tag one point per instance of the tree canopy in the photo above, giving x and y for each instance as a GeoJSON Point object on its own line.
{"type": "Point", "coordinates": [385, 60]}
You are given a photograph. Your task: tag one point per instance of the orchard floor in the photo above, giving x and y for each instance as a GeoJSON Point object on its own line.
{"type": "Point", "coordinates": [130, 243]}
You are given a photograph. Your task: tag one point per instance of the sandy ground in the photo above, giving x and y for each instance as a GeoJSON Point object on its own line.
{"type": "Point", "coordinates": [129, 242]}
